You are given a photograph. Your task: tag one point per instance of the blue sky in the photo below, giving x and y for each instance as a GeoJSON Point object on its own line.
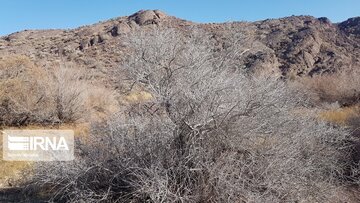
{"type": "Point", "coordinates": [16, 15]}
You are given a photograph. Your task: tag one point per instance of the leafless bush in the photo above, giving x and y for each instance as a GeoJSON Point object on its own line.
{"type": "Point", "coordinates": [23, 95]}
{"type": "Point", "coordinates": [69, 94]}
{"type": "Point", "coordinates": [210, 133]}
{"type": "Point", "coordinates": [33, 95]}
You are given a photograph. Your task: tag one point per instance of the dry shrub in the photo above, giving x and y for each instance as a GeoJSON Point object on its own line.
{"type": "Point", "coordinates": [209, 134]}
{"type": "Point", "coordinates": [342, 87]}
{"type": "Point", "coordinates": [22, 92]}
{"type": "Point", "coordinates": [69, 95]}
{"type": "Point", "coordinates": [148, 157]}
{"type": "Point", "coordinates": [33, 95]}
{"type": "Point", "coordinates": [77, 99]}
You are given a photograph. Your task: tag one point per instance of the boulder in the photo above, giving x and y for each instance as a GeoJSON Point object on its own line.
{"type": "Point", "coordinates": [146, 17]}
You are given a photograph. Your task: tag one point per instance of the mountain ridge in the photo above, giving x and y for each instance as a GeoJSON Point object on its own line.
{"type": "Point", "coordinates": [291, 46]}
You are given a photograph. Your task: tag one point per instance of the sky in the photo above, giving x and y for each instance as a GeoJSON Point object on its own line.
{"type": "Point", "coordinates": [17, 15]}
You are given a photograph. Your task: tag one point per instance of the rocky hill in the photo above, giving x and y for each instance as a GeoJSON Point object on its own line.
{"type": "Point", "coordinates": [296, 45]}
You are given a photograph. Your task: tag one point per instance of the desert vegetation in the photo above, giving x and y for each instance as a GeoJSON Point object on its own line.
{"type": "Point", "coordinates": [57, 97]}
{"type": "Point", "coordinates": [33, 95]}
{"type": "Point", "coordinates": [342, 87]}
{"type": "Point", "coordinates": [199, 128]}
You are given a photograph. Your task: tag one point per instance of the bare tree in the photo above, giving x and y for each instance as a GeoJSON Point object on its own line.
{"type": "Point", "coordinates": [211, 133]}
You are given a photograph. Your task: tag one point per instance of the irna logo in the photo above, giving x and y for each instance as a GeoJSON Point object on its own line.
{"type": "Point", "coordinates": [38, 145]}
{"type": "Point", "coordinates": [35, 143]}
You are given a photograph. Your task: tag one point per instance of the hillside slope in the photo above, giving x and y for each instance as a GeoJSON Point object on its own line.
{"type": "Point", "coordinates": [297, 45]}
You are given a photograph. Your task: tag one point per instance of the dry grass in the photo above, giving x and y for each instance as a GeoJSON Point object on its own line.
{"type": "Point", "coordinates": [341, 116]}
{"type": "Point", "coordinates": [137, 96]}
{"type": "Point", "coordinates": [11, 172]}
{"type": "Point", "coordinates": [101, 103]}
{"type": "Point", "coordinates": [342, 87]}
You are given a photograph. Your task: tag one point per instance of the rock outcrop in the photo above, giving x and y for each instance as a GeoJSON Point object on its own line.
{"type": "Point", "coordinates": [147, 17]}
{"type": "Point", "coordinates": [351, 26]}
